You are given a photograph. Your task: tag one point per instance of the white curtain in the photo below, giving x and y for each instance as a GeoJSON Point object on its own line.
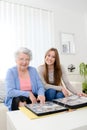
{"type": "Point", "coordinates": [21, 25]}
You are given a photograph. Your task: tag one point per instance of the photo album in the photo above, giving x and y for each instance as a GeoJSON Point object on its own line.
{"type": "Point", "coordinates": [58, 105]}
{"type": "Point", "coordinates": [72, 102]}
{"type": "Point", "coordinates": [46, 108]}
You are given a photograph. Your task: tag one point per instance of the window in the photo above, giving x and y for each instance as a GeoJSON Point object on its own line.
{"type": "Point", "coordinates": [21, 25]}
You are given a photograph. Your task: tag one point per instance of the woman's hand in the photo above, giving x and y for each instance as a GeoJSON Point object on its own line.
{"type": "Point", "coordinates": [82, 94]}
{"type": "Point", "coordinates": [65, 92]}
{"type": "Point", "coordinates": [41, 99]}
{"type": "Point", "coordinates": [32, 98]}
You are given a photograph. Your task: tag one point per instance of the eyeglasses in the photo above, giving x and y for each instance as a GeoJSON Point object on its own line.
{"type": "Point", "coordinates": [23, 59]}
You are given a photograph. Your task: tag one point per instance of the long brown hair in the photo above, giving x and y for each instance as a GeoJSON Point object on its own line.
{"type": "Point", "coordinates": [57, 68]}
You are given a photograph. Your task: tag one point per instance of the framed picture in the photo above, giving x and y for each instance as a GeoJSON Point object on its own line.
{"type": "Point", "coordinates": [67, 43]}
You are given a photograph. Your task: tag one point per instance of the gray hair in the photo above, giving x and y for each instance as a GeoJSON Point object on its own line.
{"type": "Point", "coordinates": [25, 51]}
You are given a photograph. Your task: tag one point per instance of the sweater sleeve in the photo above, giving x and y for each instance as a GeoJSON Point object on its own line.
{"type": "Point", "coordinates": [66, 81]}
{"type": "Point", "coordinates": [46, 85]}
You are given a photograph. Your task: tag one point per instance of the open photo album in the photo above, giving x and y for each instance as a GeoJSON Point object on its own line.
{"type": "Point", "coordinates": [72, 101]}
{"type": "Point", "coordinates": [58, 105]}
{"type": "Point", "coordinates": [46, 108]}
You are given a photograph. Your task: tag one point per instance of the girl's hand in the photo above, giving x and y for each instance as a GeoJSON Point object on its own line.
{"type": "Point", "coordinates": [41, 99]}
{"type": "Point", "coordinates": [65, 92]}
{"type": "Point", "coordinates": [82, 94]}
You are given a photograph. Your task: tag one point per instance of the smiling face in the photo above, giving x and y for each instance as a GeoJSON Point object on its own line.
{"type": "Point", "coordinates": [50, 58]}
{"type": "Point", "coordinates": [23, 61]}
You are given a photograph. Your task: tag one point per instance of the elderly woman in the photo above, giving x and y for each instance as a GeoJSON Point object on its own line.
{"type": "Point", "coordinates": [23, 85]}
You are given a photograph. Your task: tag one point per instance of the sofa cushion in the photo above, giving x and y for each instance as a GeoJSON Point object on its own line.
{"type": "Point", "coordinates": [2, 91]}
{"type": "Point", "coordinates": [3, 121]}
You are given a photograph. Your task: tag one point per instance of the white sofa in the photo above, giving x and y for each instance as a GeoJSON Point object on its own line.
{"type": "Point", "coordinates": [77, 85]}
{"type": "Point", "coordinates": [3, 121]}
{"type": "Point", "coordinates": [3, 108]}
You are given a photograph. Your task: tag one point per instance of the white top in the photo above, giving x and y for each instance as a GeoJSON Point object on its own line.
{"type": "Point", "coordinates": [64, 79]}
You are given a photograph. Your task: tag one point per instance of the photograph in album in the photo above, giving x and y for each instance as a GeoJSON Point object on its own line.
{"type": "Point", "coordinates": [72, 101]}
{"type": "Point", "coordinates": [46, 108]}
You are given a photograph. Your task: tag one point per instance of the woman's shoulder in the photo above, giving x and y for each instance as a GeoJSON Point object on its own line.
{"type": "Point", "coordinates": [14, 68]}
{"type": "Point", "coordinates": [41, 66]}
{"type": "Point", "coordinates": [63, 68]}
{"type": "Point", "coordinates": [31, 68]}
{"type": "Point", "coordinates": [12, 71]}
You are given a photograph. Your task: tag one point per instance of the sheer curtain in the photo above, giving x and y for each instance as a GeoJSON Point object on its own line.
{"type": "Point", "coordinates": [26, 26]}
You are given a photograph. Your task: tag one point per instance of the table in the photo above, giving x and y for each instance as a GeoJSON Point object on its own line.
{"type": "Point", "coordinates": [74, 120]}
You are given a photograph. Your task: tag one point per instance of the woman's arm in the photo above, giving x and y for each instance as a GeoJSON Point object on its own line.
{"type": "Point", "coordinates": [67, 82]}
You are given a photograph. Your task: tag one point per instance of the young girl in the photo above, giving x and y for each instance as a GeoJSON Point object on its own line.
{"type": "Point", "coordinates": [53, 76]}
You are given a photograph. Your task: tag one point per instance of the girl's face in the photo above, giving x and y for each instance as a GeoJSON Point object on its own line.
{"type": "Point", "coordinates": [50, 58]}
{"type": "Point", "coordinates": [23, 61]}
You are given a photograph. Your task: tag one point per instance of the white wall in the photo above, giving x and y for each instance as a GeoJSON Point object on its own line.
{"type": "Point", "coordinates": [70, 20]}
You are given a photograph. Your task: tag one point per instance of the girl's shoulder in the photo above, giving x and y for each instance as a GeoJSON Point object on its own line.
{"type": "Point", "coordinates": [63, 69]}
{"type": "Point", "coordinates": [41, 67]}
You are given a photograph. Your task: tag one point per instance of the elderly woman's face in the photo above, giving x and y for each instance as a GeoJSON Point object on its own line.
{"type": "Point", "coordinates": [23, 61]}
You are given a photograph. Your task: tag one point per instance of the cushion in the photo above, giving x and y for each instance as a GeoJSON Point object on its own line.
{"type": "Point", "coordinates": [2, 91]}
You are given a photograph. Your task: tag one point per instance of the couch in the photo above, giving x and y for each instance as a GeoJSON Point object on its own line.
{"type": "Point", "coordinates": [77, 85]}
{"type": "Point", "coordinates": [3, 122]}
{"type": "Point", "coordinates": [3, 108]}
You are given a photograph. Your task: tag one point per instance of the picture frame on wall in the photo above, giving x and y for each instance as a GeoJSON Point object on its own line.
{"type": "Point", "coordinates": [67, 43]}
